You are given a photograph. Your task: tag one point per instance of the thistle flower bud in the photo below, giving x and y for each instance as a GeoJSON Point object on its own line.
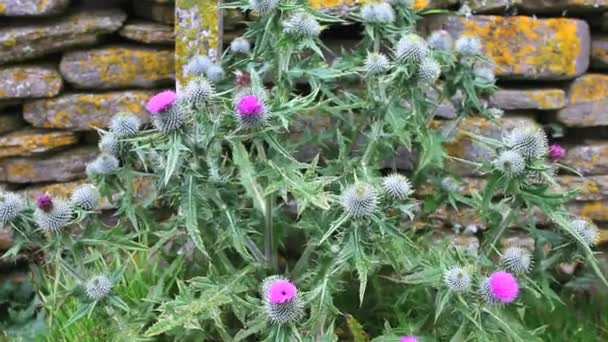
{"type": "Point", "coordinates": [51, 215]}
{"type": "Point", "coordinates": [556, 152]}
{"type": "Point", "coordinates": [109, 144]}
{"type": "Point", "coordinates": [215, 73]}
{"type": "Point", "coordinates": [282, 302]}
{"type": "Point", "coordinates": [484, 75]}
{"type": "Point", "coordinates": [240, 45]}
{"type": "Point", "coordinates": [124, 125]}
{"type": "Point", "coordinates": [499, 287]}
{"type": "Point", "coordinates": [263, 6]}
{"type": "Point", "coordinates": [586, 230]}
{"type": "Point", "coordinates": [250, 111]}
{"type": "Point", "coordinates": [198, 65]}
{"type": "Point", "coordinates": [378, 13]}
{"type": "Point", "coordinates": [397, 186]}
{"type": "Point", "coordinates": [104, 164]}
{"type": "Point", "coordinates": [529, 141]}
{"type": "Point", "coordinates": [98, 287]}
{"type": "Point", "coordinates": [429, 70]}
{"type": "Point", "coordinates": [468, 46]}
{"type": "Point", "coordinates": [11, 205]}
{"type": "Point", "coordinates": [161, 102]}
{"type": "Point", "coordinates": [411, 48]}
{"type": "Point", "coordinates": [376, 63]}
{"type": "Point", "coordinates": [302, 24]}
{"type": "Point", "coordinates": [517, 260]}
{"type": "Point", "coordinates": [440, 40]}
{"type": "Point", "coordinates": [86, 197]}
{"type": "Point", "coordinates": [199, 91]}
{"type": "Point", "coordinates": [510, 163]}
{"type": "Point", "coordinates": [171, 117]}
{"type": "Point", "coordinates": [360, 199]}
{"type": "Point", "coordinates": [457, 279]}
{"type": "Point", "coordinates": [449, 184]}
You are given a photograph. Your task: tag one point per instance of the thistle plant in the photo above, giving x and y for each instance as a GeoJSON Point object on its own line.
{"type": "Point", "coordinates": [270, 160]}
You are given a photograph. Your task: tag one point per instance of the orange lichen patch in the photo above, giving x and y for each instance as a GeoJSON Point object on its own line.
{"type": "Point", "coordinates": [525, 45]}
{"type": "Point", "coordinates": [421, 4]}
{"type": "Point", "coordinates": [602, 237]}
{"type": "Point", "coordinates": [10, 42]}
{"type": "Point", "coordinates": [589, 88]}
{"type": "Point", "coordinates": [42, 5]}
{"type": "Point", "coordinates": [61, 190]}
{"type": "Point", "coordinates": [2, 8]}
{"type": "Point", "coordinates": [319, 4]}
{"type": "Point", "coordinates": [20, 169]}
{"type": "Point", "coordinates": [30, 141]}
{"type": "Point", "coordinates": [595, 210]}
{"type": "Point", "coordinates": [548, 98]}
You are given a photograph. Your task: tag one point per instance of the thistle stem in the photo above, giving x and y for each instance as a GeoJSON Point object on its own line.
{"type": "Point", "coordinates": [270, 247]}
{"type": "Point", "coordinates": [501, 229]}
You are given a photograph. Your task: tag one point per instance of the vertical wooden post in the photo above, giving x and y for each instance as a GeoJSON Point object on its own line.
{"type": "Point", "coordinates": [198, 31]}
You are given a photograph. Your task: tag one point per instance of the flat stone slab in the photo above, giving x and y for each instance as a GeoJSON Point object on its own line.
{"type": "Point", "coordinates": [30, 141]}
{"type": "Point", "coordinates": [10, 122]}
{"type": "Point", "coordinates": [118, 67]}
{"type": "Point", "coordinates": [517, 99]}
{"type": "Point", "coordinates": [599, 52]}
{"type": "Point", "coordinates": [18, 8]}
{"type": "Point", "coordinates": [148, 32]}
{"type": "Point", "coordinates": [60, 167]}
{"type": "Point", "coordinates": [80, 112]}
{"type": "Point", "coordinates": [591, 188]}
{"type": "Point", "coordinates": [593, 210]}
{"type": "Point", "coordinates": [587, 102]}
{"type": "Point", "coordinates": [525, 47]}
{"type": "Point", "coordinates": [346, 6]}
{"type": "Point", "coordinates": [538, 6]}
{"type": "Point", "coordinates": [22, 82]}
{"type": "Point", "coordinates": [588, 159]}
{"type": "Point", "coordinates": [163, 12]}
{"type": "Point", "coordinates": [31, 40]}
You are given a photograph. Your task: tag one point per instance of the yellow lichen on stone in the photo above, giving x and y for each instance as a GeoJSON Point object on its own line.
{"type": "Point", "coordinates": [2, 8]}
{"type": "Point", "coordinates": [589, 88]}
{"type": "Point", "coordinates": [27, 142]}
{"type": "Point", "coordinates": [548, 98]}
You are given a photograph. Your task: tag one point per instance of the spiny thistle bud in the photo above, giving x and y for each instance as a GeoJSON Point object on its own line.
{"type": "Point", "coordinates": [529, 141]}
{"type": "Point", "coordinates": [86, 197]}
{"type": "Point", "coordinates": [378, 13]}
{"type": "Point", "coordinates": [240, 45]}
{"type": "Point", "coordinates": [376, 63]}
{"type": "Point", "coordinates": [510, 162]}
{"type": "Point", "coordinates": [215, 73]}
{"type": "Point", "coordinates": [556, 152]}
{"type": "Point", "coordinates": [302, 24]}
{"type": "Point", "coordinates": [397, 186]}
{"type": "Point", "coordinates": [586, 230]}
{"type": "Point", "coordinates": [250, 111]}
{"type": "Point", "coordinates": [263, 6]}
{"type": "Point", "coordinates": [496, 113]}
{"type": "Point", "coordinates": [51, 215]}
{"type": "Point", "coordinates": [499, 287]}
{"type": "Point", "coordinates": [104, 164]}
{"type": "Point", "coordinates": [517, 260]}
{"type": "Point", "coordinates": [449, 184]}
{"type": "Point", "coordinates": [457, 279]}
{"type": "Point", "coordinates": [199, 91]}
{"type": "Point", "coordinates": [109, 144]}
{"type": "Point", "coordinates": [198, 65]}
{"type": "Point", "coordinates": [124, 125]}
{"type": "Point", "coordinates": [484, 75]}
{"type": "Point", "coordinates": [98, 287]}
{"type": "Point", "coordinates": [168, 113]}
{"type": "Point", "coordinates": [360, 199]}
{"type": "Point", "coordinates": [468, 46]}
{"type": "Point", "coordinates": [11, 206]}
{"type": "Point", "coordinates": [429, 70]}
{"type": "Point", "coordinates": [281, 300]}
{"type": "Point", "coordinates": [440, 40]}
{"type": "Point", "coordinates": [412, 48]}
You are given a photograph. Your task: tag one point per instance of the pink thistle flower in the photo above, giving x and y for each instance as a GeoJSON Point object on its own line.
{"type": "Point", "coordinates": [281, 291]}
{"type": "Point", "coordinates": [44, 202]}
{"type": "Point", "coordinates": [408, 339]}
{"type": "Point", "coordinates": [250, 105]}
{"type": "Point", "coordinates": [556, 152]}
{"type": "Point", "coordinates": [161, 101]}
{"type": "Point", "coordinates": [503, 286]}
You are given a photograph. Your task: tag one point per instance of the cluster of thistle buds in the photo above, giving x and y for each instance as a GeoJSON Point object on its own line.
{"type": "Point", "coordinates": [362, 199]}
{"type": "Point", "coordinates": [498, 287]}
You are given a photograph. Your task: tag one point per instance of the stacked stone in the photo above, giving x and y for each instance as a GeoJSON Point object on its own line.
{"type": "Point", "coordinates": [66, 67]}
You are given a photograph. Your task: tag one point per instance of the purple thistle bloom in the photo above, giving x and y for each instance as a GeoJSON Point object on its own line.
{"type": "Point", "coordinates": [161, 101]}
{"type": "Point", "coordinates": [503, 286]}
{"type": "Point", "coordinates": [250, 110]}
{"type": "Point", "coordinates": [44, 202]}
{"type": "Point", "coordinates": [556, 152]}
{"type": "Point", "coordinates": [408, 339]}
{"type": "Point", "coordinates": [281, 291]}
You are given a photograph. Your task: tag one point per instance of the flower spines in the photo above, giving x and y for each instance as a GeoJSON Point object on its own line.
{"type": "Point", "coordinates": [411, 48]}
{"type": "Point", "coordinates": [172, 118]}
{"type": "Point", "coordinates": [378, 13]}
{"type": "Point", "coordinates": [11, 205]}
{"type": "Point", "coordinates": [376, 63]}
{"type": "Point", "coordinates": [457, 279]}
{"type": "Point", "coordinates": [124, 125]}
{"type": "Point", "coordinates": [263, 6]}
{"type": "Point", "coordinates": [440, 40]}
{"type": "Point", "coordinates": [586, 230]}
{"type": "Point", "coordinates": [52, 215]}
{"type": "Point", "coordinates": [86, 197]}
{"type": "Point", "coordinates": [396, 186]}
{"type": "Point", "coordinates": [468, 46]}
{"type": "Point", "coordinates": [109, 144]}
{"type": "Point", "coordinates": [98, 287]}
{"type": "Point", "coordinates": [499, 287]}
{"type": "Point", "coordinates": [302, 24]}
{"type": "Point", "coordinates": [517, 260]}
{"type": "Point", "coordinates": [529, 141]}
{"type": "Point", "coordinates": [360, 200]}
{"type": "Point", "coordinates": [198, 65]}
{"type": "Point", "coordinates": [510, 163]}
{"type": "Point", "coordinates": [104, 164]}
{"type": "Point", "coordinates": [240, 45]}
{"type": "Point", "coordinates": [199, 92]}
{"type": "Point", "coordinates": [281, 299]}
{"type": "Point", "coordinates": [429, 70]}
